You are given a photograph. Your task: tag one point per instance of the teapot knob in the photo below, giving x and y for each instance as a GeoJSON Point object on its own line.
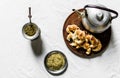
{"type": "Point", "coordinates": [99, 16]}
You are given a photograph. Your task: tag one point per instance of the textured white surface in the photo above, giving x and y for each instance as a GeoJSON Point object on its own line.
{"type": "Point", "coordinates": [17, 59]}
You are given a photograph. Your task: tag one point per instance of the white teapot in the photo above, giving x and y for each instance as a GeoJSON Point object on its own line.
{"type": "Point", "coordinates": [96, 18]}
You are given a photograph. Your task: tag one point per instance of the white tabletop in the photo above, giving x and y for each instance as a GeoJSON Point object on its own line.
{"type": "Point", "coordinates": [17, 56]}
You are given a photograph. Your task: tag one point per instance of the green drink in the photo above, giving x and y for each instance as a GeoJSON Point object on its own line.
{"type": "Point", "coordinates": [30, 31]}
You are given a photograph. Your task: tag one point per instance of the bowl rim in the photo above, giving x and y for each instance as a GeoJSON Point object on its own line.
{"type": "Point", "coordinates": [60, 71]}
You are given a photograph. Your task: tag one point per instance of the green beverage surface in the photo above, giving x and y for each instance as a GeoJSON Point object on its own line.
{"type": "Point", "coordinates": [30, 29]}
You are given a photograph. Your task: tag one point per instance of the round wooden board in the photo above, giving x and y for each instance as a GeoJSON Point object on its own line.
{"type": "Point", "coordinates": [103, 37]}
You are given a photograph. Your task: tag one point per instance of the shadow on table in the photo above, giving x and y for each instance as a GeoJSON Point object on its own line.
{"type": "Point", "coordinates": [37, 46]}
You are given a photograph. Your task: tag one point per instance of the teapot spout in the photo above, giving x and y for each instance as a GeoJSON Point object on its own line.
{"type": "Point", "coordinates": [80, 14]}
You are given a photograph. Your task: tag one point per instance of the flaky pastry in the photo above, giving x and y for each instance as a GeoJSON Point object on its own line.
{"type": "Point", "coordinates": [81, 39]}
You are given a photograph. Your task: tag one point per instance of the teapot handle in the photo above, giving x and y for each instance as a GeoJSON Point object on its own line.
{"type": "Point", "coordinates": [103, 8]}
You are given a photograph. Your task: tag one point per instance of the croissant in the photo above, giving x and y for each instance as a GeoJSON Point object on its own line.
{"type": "Point", "coordinates": [81, 39]}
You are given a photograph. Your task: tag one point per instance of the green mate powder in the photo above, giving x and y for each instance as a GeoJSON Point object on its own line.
{"type": "Point", "coordinates": [30, 29]}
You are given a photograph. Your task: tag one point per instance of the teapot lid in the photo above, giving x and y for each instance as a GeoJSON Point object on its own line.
{"type": "Point", "coordinates": [98, 17]}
